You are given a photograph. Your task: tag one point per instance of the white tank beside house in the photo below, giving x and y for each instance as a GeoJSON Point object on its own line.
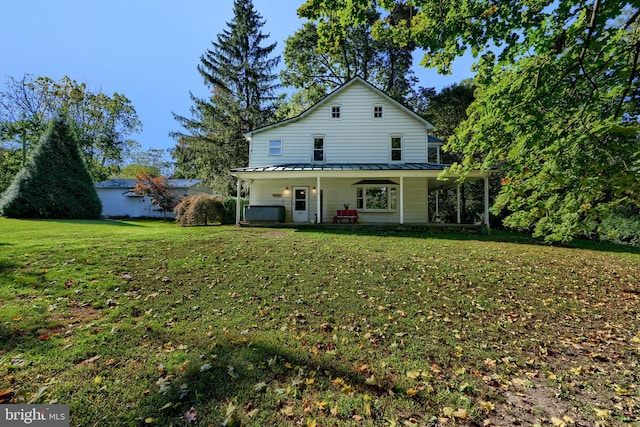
{"type": "Point", "coordinates": [119, 201]}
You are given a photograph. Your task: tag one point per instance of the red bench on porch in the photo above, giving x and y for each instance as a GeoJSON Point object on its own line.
{"type": "Point", "coordinates": [346, 214]}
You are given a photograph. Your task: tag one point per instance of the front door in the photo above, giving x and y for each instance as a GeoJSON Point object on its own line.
{"type": "Point", "coordinates": [300, 204]}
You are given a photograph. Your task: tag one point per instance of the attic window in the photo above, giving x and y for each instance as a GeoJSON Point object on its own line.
{"type": "Point", "coordinates": [377, 111]}
{"type": "Point", "coordinates": [275, 147]}
{"type": "Point", "coordinates": [335, 112]}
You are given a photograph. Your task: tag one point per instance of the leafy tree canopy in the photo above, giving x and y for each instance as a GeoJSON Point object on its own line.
{"type": "Point", "coordinates": [134, 170]}
{"type": "Point", "coordinates": [155, 159]}
{"type": "Point", "coordinates": [557, 105]}
{"type": "Point", "coordinates": [314, 65]}
{"type": "Point", "coordinates": [103, 123]}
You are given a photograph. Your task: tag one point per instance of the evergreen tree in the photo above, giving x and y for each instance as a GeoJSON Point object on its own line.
{"type": "Point", "coordinates": [238, 70]}
{"type": "Point", "coordinates": [55, 182]}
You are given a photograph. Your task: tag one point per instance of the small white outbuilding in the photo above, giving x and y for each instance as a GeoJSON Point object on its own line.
{"type": "Point", "coordinates": [118, 199]}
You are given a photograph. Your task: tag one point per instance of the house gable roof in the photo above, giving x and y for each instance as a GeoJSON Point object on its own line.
{"type": "Point", "coordinates": [327, 99]}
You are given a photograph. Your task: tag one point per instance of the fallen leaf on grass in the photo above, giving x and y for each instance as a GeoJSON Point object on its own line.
{"type": "Point", "coordinates": [337, 382]}
{"type": "Point", "coordinates": [461, 413]}
{"type": "Point", "coordinates": [89, 360]}
{"type": "Point", "coordinates": [487, 406]}
{"type": "Point", "coordinates": [287, 411]}
{"type": "Point", "coordinates": [412, 375]}
{"type": "Point", "coordinates": [6, 395]}
{"type": "Point", "coordinates": [602, 413]}
{"type": "Point", "coordinates": [191, 415]}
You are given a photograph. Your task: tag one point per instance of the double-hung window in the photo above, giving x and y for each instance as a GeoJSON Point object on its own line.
{"type": "Point", "coordinates": [377, 111]}
{"type": "Point", "coordinates": [318, 149]}
{"type": "Point", "coordinates": [396, 148]}
{"type": "Point", "coordinates": [275, 147]}
{"type": "Point", "coordinates": [335, 112]}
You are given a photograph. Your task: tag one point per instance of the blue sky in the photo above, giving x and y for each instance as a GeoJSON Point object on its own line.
{"type": "Point", "coordinates": [147, 50]}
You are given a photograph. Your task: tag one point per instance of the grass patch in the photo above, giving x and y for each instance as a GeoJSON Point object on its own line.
{"type": "Point", "coordinates": [135, 323]}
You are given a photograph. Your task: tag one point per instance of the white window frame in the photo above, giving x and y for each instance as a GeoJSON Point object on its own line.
{"type": "Point", "coordinates": [391, 193]}
{"type": "Point", "coordinates": [313, 148]}
{"type": "Point", "coordinates": [274, 146]}
{"type": "Point", "coordinates": [391, 149]}
{"type": "Point", "coordinates": [436, 151]}
{"type": "Point", "coordinates": [381, 111]}
{"type": "Point", "coordinates": [335, 109]}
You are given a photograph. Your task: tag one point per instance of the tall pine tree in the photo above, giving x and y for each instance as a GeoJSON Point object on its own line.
{"type": "Point", "coordinates": [238, 70]}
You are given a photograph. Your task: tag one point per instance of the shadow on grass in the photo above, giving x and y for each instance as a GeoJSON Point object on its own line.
{"type": "Point", "coordinates": [252, 375]}
{"type": "Point", "coordinates": [6, 265]}
{"type": "Point", "coordinates": [495, 236]}
{"type": "Point", "coordinates": [118, 223]}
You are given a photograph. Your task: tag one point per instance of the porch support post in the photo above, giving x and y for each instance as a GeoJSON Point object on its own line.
{"type": "Point", "coordinates": [401, 200]}
{"type": "Point", "coordinates": [458, 202]}
{"type": "Point", "coordinates": [318, 204]}
{"type": "Point", "coordinates": [486, 200]}
{"type": "Point", "coordinates": [239, 186]}
{"type": "Point", "coordinates": [427, 200]}
{"type": "Point", "coordinates": [437, 211]}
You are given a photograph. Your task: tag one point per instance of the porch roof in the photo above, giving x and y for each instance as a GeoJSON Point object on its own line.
{"type": "Point", "coordinates": [300, 167]}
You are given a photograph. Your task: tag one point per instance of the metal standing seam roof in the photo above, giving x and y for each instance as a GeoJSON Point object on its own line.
{"type": "Point", "coordinates": [304, 167]}
{"type": "Point", "coordinates": [130, 183]}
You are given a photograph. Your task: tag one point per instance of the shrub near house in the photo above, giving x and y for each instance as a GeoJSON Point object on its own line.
{"type": "Point", "coordinates": [200, 209]}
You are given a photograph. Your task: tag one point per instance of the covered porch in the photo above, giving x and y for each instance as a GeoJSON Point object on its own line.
{"type": "Point", "coordinates": [379, 193]}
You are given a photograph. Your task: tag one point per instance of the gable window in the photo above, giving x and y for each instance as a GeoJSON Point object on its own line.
{"type": "Point", "coordinates": [377, 198]}
{"type": "Point", "coordinates": [396, 148]}
{"type": "Point", "coordinates": [275, 147]}
{"type": "Point", "coordinates": [377, 111]}
{"type": "Point", "coordinates": [335, 112]}
{"type": "Point", "coordinates": [318, 149]}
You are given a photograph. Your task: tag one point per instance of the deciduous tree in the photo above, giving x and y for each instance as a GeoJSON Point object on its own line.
{"type": "Point", "coordinates": [314, 65]}
{"type": "Point", "coordinates": [159, 189]}
{"type": "Point", "coordinates": [102, 123]}
{"type": "Point", "coordinates": [557, 105]}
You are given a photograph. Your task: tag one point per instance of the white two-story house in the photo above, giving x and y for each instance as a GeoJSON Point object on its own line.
{"type": "Point", "coordinates": [356, 147]}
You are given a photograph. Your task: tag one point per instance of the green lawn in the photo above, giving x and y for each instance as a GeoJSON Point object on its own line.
{"type": "Point", "coordinates": [135, 323]}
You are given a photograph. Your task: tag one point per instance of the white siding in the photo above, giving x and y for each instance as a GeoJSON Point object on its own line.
{"type": "Point", "coordinates": [116, 204]}
{"type": "Point", "coordinates": [357, 137]}
{"type": "Point", "coordinates": [338, 191]}
{"type": "Point", "coordinates": [273, 193]}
